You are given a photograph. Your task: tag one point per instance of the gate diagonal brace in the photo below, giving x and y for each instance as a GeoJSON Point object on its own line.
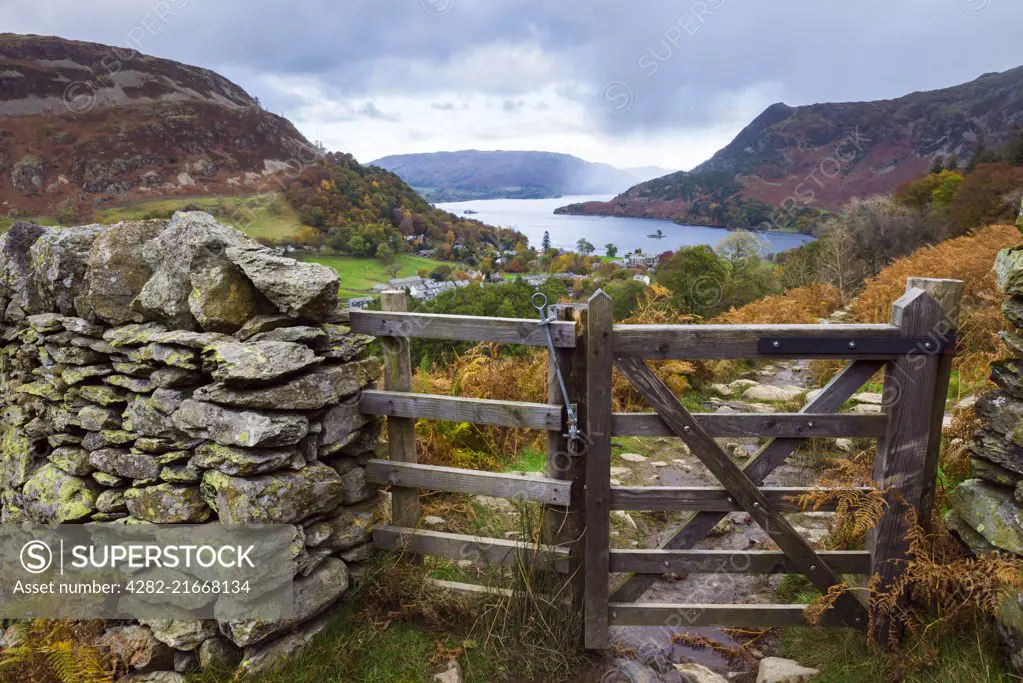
{"type": "Point", "coordinates": [859, 346]}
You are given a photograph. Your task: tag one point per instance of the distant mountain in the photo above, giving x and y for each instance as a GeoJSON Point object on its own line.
{"type": "Point", "coordinates": [471, 174]}
{"type": "Point", "coordinates": [818, 157]}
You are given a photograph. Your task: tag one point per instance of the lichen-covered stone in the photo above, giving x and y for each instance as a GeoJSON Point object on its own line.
{"type": "Point", "coordinates": [313, 337]}
{"type": "Point", "coordinates": [136, 385]}
{"type": "Point", "coordinates": [168, 504]}
{"type": "Point", "coordinates": [75, 374]}
{"type": "Point", "coordinates": [176, 356]}
{"type": "Point", "coordinates": [133, 334]}
{"type": "Point", "coordinates": [281, 498]}
{"type": "Point", "coordinates": [247, 462]}
{"type": "Point", "coordinates": [117, 271]}
{"type": "Point", "coordinates": [104, 395]}
{"type": "Point", "coordinates": [16, 457]}
{"type": "Point", "coordinates": [341, 531]}
{"type": "Point", "coordinates": [313, 594]}
{"type": "Point", "coordinates": [193, 242]}
{"type": "Point", "coordinates": [43, 389]}
{"type": "Point", "coordinates": [343, 344]}
{"type": "Point", "coordinates": [137, 649]}
{"type": "Point", "coordinates": [54, 496]}
{"type": "Point", "coordinates": [123, 463]}
{"type": "Point", "coordinates": [252, 364]}
{"type": "Point", "coordinates": [1009, 271]}
{"type": "Point", "coordinates": [45, 323]}
{"type": "Point", "coordinates": [186, 473]}
{"type": "Point", "coordinates": [140, 370]}
{"type": "Point", "coordinates": [108, 437]}
{"type": "Point", "coordinates": [170, 377]}
{"type": "Point", "coordinates": [72, 460]}
{"type": "Point", "coordinates": [61, 261]}
{"type": "Point", "coordinates": [146, 419]}
{"type": "Point", "coordinates": [314, 390]}
{"type": "Point", "coordinates": [21, 295]}
{"type": "Point", "coordinates": [219, 653]}
{"type": "Point", "coordinates": [261, 659]}
{"type": "Point", "coordinates": [182, 634]}
{"type": "Point", "coordinates": [263, 323]}
{"type": "Point", "coordinates": [96, 418]}
{"type": "Point", "coordinates": [246, 428]}
{"type": "Point", "coordinates": [302, 290]}
{"type": "Point", "coordinates": [82, 326]}
{"type": "Point", "coordinates": [73, 355]}
{"type": "Point", "coordinates": [223, 299]}
{"type": "Point", "coordinates": [109, 480]}
{"type": "Point", "coordinates": [991, 512]}
{"type": "Point", "coordinates": [111, 500]}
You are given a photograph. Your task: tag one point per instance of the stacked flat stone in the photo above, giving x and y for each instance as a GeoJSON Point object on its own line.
{"type": "Point", "coordinates": [986, 511]}
{"type": "Point", "coordinates": [175, 371]}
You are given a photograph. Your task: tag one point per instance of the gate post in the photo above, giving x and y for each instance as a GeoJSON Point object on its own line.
{"type": "Point", "coordinates": [949, 295]}
{"type": "Point", "coordinates": [401, 431]}
{"type": "Point", "coordinates": [908, 451]}
{"type": "Point", "coordinates": [597, 503]}
{"type": "Point", "coordinates": [563, 527]}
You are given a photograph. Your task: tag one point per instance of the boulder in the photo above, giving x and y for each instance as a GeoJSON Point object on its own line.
{"type": "Point", "coordinates": [247, 462]}
{"type": "Point", "coordinates": [697, 673]}
{"type": "Point", "coordinates": [314, 390]}
{"type": "Point", "coordinates": [223, 299]}
{"type": "Point", "coordinates": [117, 271]}
{"type": "Point", "coordinates": [167, 504]}
{"type": "Point", "coordinates": [281, 498]}
{"type": "Point", "coordinates": [778, 670]}
{"type": "Point", "coordinates": [54, 496]}
{"type": "Point", "coordinates": [246, 428]}
{"type": "Point", "coordinates": [253, 364]}
{"type": "Point", "coordinates": [302, 290]}
{"type": "Point", "coordinates": [312, 595]}
{"type": "Point", "coordinates": [193, 242]}
{"type": "Point", "coordinates": [61, 260]}
{"type": "Point", "coordinates": [991, 512]}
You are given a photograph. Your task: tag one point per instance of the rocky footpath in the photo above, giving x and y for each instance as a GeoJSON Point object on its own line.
{"type": "Point", "coordinates": [175, 371]}
{"type": "Point", "coordinates": [987, 511]}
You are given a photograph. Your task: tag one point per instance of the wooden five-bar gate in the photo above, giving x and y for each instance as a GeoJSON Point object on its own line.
{"type": "Point", "coordinates": [914, 350]}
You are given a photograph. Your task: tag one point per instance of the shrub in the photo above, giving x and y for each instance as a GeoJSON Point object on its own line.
{"type": "Point", "coordinates": [969, 259]}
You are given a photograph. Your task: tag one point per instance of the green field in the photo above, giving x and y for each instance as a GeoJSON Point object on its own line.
{"type": "Point", "coordinates": [258, 215]}
{"type": "Point", "coordinates": [360, 274]}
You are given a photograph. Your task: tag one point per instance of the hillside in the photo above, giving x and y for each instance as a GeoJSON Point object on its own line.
{"type": "Point", "coordinates": [471, 174]}
{"type": "Point", "coordinates": [79, 128]}
{"type": "Point", "coordinates": [85, 136]}
{"type": "Point", "coordinates": [820, 156]}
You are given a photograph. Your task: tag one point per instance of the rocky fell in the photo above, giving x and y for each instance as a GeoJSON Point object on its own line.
{"type": "Point", "coordinates": [820, 156]}
{"type": "Point", "coordinates": [83, 124]}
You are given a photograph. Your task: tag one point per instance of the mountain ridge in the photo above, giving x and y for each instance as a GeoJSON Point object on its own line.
{"type": "Point", "coordinates": [817, 157]}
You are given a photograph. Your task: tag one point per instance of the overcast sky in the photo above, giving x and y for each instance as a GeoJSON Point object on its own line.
{"type": "Point", "coordinates": [627, 82]}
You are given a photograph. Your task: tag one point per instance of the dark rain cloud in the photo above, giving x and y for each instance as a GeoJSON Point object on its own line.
{"type": "Point", "coordinates": [635, 66]}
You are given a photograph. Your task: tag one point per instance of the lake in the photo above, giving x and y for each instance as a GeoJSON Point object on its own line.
{"type": "Point", "coordinates": [532, 217]}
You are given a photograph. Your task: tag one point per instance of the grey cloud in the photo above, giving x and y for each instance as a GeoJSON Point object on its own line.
{"type": "Point", "coordinates": [676, 64]}
{"type": "Point", "coordinates": [443, 106]}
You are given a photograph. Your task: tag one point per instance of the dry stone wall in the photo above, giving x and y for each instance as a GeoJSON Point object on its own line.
{"type": "Point", "coordinates": [175, 371]}
{"type": "Point", "coordinates": [986, 512]}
